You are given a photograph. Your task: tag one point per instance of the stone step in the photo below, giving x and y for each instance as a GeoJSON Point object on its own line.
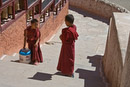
{"type": "Point", "coordinates": [11, 58]}
{"type": "Point", "coordinates": [68, 82]}
{"type": "Point", "coordinates": [24, 71]}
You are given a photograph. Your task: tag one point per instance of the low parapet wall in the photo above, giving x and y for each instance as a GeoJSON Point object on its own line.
{"type": "Point", "coordinates": [102, 8]}
{"type": "Point", "coordinates": [116, 57]}
{"type": "Point", "coordinates": [126, 70]}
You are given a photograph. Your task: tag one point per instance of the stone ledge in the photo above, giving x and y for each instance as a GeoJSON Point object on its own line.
{"type": "Point", "coordinates": [102, 8]}
{"type": "Point", "coordinates": [122, 22]}
{"type": "Point", "coordinates": [116, 49]}
{"type": "Point", "coordinates": [120, 8]}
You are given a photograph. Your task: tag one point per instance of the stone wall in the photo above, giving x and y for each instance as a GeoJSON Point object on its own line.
{"type": "Point", "coordinates": [11, 39]}
{"type": "Point", "coordinates": [116, 49]}
{"type": "Point", "coordinates": [126, 71]}
{"type": "Point", "coordinates": [101, 8]}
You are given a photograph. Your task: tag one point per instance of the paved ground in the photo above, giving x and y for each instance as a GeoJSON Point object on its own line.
{"type": "Point", "coordinates": [123, 3]}
{"type": "Point", "coordinates": [89, 50]}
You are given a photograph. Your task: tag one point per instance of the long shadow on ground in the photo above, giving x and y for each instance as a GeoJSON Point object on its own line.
{"type": "Point", "coordinates": [45, 76]}
{"type": "Point", "coordinates": [41, 76]}
{"type": "Point", "coordinates": [92, 78]}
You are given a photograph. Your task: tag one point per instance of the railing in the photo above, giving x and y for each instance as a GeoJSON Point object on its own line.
{"type": "Point", "coordinates": [46, 7]}
{"type": "Point", "coordinates": [3, 2]}
{"type": "Point", "coordinates": [50, 5]}
{"type": "Point", "coordinates": [33, 7]}
{"type": "Point", "coordinates": [30, 2]}
{"type": "Point", "coordinates": [9, 10]}
{"type": "Point", "coordinates": [58, 5]}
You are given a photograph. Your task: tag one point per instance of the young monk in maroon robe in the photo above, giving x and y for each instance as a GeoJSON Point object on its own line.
{"type": "Point", "coordinates": [67, 55]}
{"type": "Point", "coordinates": [32, 36]}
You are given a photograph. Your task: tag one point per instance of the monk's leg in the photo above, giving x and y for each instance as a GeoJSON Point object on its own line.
{"type": "Point", "coordinates": [36, 58]}
{"type": "Point", "coordinates": [31, 48]}
{"type": "Point", "coordinates": [67, 58]}
{"type": "Point", "coordinates": [60, 62]}
{"type": "Point", "coordinates": [40, 53]}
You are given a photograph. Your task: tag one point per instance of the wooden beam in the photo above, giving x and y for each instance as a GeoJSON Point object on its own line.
{"type": "Point", "coordinates": [40, 7]}
{"type": "Point", "coordinates": [13, 9]}
{"type": "Point", "coordinates": [0, 23]}
{"type": "Point", "coordinates": [33, 12]}
{"type": "Point", "coordinates": [25, 5]}
{"type": "Point", "coordinates": [0, 3]}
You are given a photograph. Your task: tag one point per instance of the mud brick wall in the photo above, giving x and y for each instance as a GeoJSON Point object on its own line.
{"type": "Point", "coordinates": [12, 38]}
{"type": "Point", "coordinates": [116, 57]}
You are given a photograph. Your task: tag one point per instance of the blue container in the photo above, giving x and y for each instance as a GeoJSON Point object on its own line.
{"type": "Point", "coordinates": [25, 56]}
{"type": "Point", "coordinates": [25, 52]}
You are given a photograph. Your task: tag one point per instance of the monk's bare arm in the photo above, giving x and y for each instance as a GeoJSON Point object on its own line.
{"type": "Point", "coordinates": [37, 41]}
{"type": "Point", "coordinates": [60, 37]}
{"type": "Point", "coordinates": [24, 42]}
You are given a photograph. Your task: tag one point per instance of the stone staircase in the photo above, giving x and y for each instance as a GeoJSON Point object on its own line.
{"type": "Point", "coordinates": [89, 50]}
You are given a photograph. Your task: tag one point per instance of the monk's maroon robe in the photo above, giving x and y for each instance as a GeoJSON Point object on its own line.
{"type": "Point", "coordinates": [67, 55]}
{"type": "Point", "coordinates": [32, 36]}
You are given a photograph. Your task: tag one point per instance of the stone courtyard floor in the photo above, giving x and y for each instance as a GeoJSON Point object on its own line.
{"type": "Point", "coordinates": [89, 50]}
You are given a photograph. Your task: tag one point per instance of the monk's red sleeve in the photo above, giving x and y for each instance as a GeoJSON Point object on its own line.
{"type": "Point", "coordinates": [37, 35]}
{"type": "Point", "coordinates": [68, 36]}
{"type": "Point", "coordinates": [62, 34]}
